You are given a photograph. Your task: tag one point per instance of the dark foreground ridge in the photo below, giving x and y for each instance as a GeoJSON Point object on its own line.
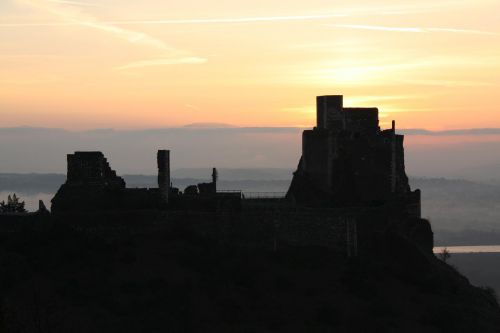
{"type": "Point", "coordinates": [345, 250]}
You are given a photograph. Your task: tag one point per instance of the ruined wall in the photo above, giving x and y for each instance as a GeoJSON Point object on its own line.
{"type": "Point", "coordinates": [268, 224]}
{"type": "Point", "coordinates": [361, 120]}
{"type": "Point", "coordinates": [92, 185]}
{"type": "Point", "coordinates": [315, 158]}
{"type": "Point", "coordinates": [91, 167]}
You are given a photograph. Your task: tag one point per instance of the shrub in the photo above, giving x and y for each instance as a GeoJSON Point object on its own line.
{"type": "Point", "coordinates": [13, 205]}
{"type": "Point", "coordinates": [444, 255]}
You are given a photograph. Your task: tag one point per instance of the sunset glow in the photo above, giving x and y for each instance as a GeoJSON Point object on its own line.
{"type": "Point", "coordinates": [142, 64]}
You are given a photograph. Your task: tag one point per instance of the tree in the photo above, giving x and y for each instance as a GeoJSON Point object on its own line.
{"type": "Point", "coordinates": [444, 255]}
{"type": "Point", "coordinates": [13, 205]}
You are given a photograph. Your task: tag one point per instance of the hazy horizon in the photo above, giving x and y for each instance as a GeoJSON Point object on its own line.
{"type": "Point", "coordinates": [467, 153]}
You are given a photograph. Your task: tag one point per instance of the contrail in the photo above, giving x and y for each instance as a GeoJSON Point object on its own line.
{"type": "Point", "coordinates": [264, 19]}
{"type": "Point", "coordinates": [465, 31]}
{"type": "Point", "coordinates": [377, 28]}
{"type": "Point", "coordinates": [413, 29]}
{"type": "Point", "coordinates": [164, 62]}
{"type": "Point", "coordinates": [190, 21]}
{"type": "Point", "coordinates": [74, 3]}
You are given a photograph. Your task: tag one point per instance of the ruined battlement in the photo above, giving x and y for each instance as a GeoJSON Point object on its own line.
{"type": "Point", "coordinates": [91, 167]}
{"type": "Point", "coordinates": [331, 115]}
{"type": "Point", "coordinates": [347, 160]}
{"type": "Point", "coordinates": [92, 186]}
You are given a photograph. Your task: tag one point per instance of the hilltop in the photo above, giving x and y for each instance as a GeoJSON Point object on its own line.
{"type": "Point", "coordinates": [62, 280]}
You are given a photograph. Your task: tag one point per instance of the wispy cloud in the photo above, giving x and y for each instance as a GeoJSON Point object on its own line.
{"type": "Point", "coordinates": [361, 100]}
{"type": "Point", "coordinates": [77, 17]}
{"type": "Point", "coordinates": [75, 3]}
{"type": "Point", "coordinates": [472, 131]}
{"type": "Point", "coordinates": [375, 27]}
{"type": "Point", "coordinates": [69, 15]}
{"type": "Point", "coordinates": [445, 83]}
{"type": "Point", "coordinates": [190, 21]}
{"type": "Point", "coordinates": [192, 107]}
{"type": "Point", "coordinates": [164, 62]}
{"type": "Point", "coordinates": [412, 29]}
{"type": "Point", "coordinates": [464, 31]}
{"type": "Point", "coordinates": [339, 13]}
{"type": "Point", "coordinates": [237, 19]}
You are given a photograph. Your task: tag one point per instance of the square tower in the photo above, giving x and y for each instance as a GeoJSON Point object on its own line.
{"type": "Point", "coordinates": [329, 112]}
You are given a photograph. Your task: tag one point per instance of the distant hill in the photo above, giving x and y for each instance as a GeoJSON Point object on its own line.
{"type": "Point", "coordinates": [452, 154]}
{"type": "Point", "coordinates": [236, 174]}
{"type": "Point", "coordinates": [209, 125]}
{"type": "Point", "coordinates": [487, 173]}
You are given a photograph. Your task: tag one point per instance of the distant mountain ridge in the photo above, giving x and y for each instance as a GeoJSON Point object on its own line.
{"type": "Point", "coordinates": [202, 125]}
{"type": "Point", "coordinates": [428, 154]}
{"type": "Point", "coordinates": [209, 125]}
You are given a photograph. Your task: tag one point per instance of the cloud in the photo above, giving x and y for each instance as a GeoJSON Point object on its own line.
{"type": "Point", "coordinates": [164, 62]}
{"type": "Point", "coordinates": [445, 83]}
{"type": "Point", "coordinates": [471, 132]}
{"type": "Point", "coordinates": [376, 28]}
{"type": "Point", "coordinates": [412, 29]}
{"type": "Point", "coordinates": [464, 31]}
{"type": "Point", "coordinates": [75, 3]}
{"type": "Point", "coordinates": [236, 20]}
{"type": "Point", "coordinates": [339, 13]}
{"type": "Point", "coordinates": [69, 15]}
{"type": "Point", "coordinates": [73, 16]}
{"type": "Point", "coordinates": [193, 21]}
{"type": "Point", "coordinates": [77, 17]}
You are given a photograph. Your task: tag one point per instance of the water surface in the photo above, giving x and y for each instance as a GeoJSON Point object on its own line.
{"type": "Point", "coordinates": [469, 249]}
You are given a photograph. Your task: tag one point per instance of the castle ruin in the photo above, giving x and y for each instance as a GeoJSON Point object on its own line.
{"type": "Point", "coordinates": [349, 193]}
{"type": "Point", "coordinates": [347, 160]}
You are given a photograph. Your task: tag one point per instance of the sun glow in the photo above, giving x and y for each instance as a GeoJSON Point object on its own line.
{"type": "Point", "coordinates": [82, 64]}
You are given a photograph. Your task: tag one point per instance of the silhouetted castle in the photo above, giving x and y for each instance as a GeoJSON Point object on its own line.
{"type": "Point", "coordinates": [350, 192]}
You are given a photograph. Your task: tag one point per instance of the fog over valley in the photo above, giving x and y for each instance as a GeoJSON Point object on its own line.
{"type": "Point", "coordinates": [458, 154]}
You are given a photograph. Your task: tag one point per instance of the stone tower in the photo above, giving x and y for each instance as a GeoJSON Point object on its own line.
{"type": "Point", "coordinates": [163, 159]}
{"type": "Point", "coordinates": [347, 160]}
{"type": "Point", "coordinates": [215, 175]}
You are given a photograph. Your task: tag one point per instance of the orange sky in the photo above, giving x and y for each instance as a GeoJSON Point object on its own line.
{"type": "Point", "coordinates": [155, 63]}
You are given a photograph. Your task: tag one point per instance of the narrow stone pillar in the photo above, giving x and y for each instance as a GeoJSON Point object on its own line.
{"type": "Point", "coordinates": [215, 175]}
{"type": "Point", "coordinates": [163, 159]}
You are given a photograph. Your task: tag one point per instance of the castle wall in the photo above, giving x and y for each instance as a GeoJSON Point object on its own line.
{"type": "Point", "coordinates": [91, 168]}
{"type": "Point", "coordinates": [315, 158]}
{"type": "Point", "coordinates": [252, 227]}
{"type": "Point", "coordinates": [362, 120]}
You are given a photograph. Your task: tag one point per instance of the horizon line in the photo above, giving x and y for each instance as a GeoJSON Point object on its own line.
{"type": "Point", "coordinates": [228, 127]}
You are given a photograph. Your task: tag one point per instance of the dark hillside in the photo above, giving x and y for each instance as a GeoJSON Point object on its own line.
{"type": "Point", "coordinates": [62, 280]}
